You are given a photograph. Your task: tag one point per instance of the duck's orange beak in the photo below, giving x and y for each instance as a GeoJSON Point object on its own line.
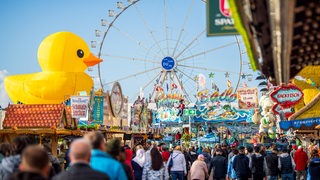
{"type": "Point", "coordinates": [92, 60]}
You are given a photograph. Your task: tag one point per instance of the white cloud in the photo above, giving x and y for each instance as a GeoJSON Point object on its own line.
{"type": "Point", "coordinates": [4, 98]}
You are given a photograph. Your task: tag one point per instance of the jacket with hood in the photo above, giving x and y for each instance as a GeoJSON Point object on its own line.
{"type": "Point", "coordinates": [103, 162]}
{"type": "Point", "coordinates": [9, 165]}
{"type": "Point", "coordinates": [207, 158]}
{"type": "Point", "coordinates": [300, 159]}
{"type": "Point", "coordinates": [220, 165]}
{"type": "Point", "coordinates": [286, 163]}
{"type": "Point", "coordinates": [272, 163]}
{"type": "Point", "coordinates": [258, 164]}
{"type": "Point", "coordinates": [137, 164]}
{"type": "Point", "coordinates": [178, 161]}
{"type": "Point", "coordinates": [241, 165]}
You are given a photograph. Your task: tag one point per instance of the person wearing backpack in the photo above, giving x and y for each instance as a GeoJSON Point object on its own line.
{"type": "Point", "coordinates": [258, 165]}
{"type": "Point", "coordinates": [286, 165]}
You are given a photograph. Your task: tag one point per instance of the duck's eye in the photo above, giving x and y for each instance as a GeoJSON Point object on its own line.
{"type": "Point", "coordinates": [80, 53]}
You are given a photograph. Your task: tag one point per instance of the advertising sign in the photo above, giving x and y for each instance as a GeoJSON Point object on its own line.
{"type": "Point", "coordinates": [278, 109]}
{"type": "Point", "coordinates": [248, 98]}
{"type": "Point", "coordinates": [79, 106]}
{"type": "Point", "coordinates": [287, 95]}
{"type": "Point", "coordinates": [219, 21]}
{"type": "Point", "coordinates": [98, 110]}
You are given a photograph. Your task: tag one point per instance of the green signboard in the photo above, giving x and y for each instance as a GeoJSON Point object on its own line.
{"type": "Point", "coordinates": [98, 110]}
{"type": "Point", "coordinates": [219, 21]}
{"type": "Point", "coordinates": [189, 112]}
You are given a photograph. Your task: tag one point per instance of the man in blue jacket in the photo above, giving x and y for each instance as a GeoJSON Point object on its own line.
{"type": "Point", "coordinates": [101, 161]}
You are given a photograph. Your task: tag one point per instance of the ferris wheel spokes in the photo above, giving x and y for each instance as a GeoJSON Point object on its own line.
{"type": "Point", "coordinates": [145, 86]}
{"type": "Point", "coordinates": [187, 47]}
{"type": "Point", "coordinates": [133, 75]}
{"type": "Point", "coordinates": [132, 58]}
{"type": "Point", "coordinates": [207, 69]}
{"type": "Point", "coordinates": [206, 52]}
{"type": "Point", "coordinates": [137, 42]}
{"type": "Point", "coordinates": [182, 29]}
{"type": "Point", "coordinates": [185, 74]}
{"type": "Point", "coordinates": [166, 25]}
{"type": "Point", "coordinates": [160, 82]}
{"type": "Point", "coordinates": [182, 89]}
{"type": "Point", "coordinates": [149, 30]}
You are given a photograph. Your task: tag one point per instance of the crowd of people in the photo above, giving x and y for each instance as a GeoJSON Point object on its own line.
{"type": "Point", "coordinates": [91, 157]}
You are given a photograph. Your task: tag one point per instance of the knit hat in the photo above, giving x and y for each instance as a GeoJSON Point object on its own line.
{"type": "Point", "coordinates": [200, 156]}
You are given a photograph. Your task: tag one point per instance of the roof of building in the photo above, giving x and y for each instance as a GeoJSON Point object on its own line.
{"type": "Point", "coordinates": [37, 115]}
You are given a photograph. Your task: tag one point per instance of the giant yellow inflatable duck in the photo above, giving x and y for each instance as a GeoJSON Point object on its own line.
{"type": "Point", "coordinates": [63, 57]}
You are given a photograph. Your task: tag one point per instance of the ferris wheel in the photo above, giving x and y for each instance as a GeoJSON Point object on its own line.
{"type": "Point", "coordinates": [153, 46]}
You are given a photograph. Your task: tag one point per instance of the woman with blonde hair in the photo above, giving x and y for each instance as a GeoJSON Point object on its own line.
{"type": "Point", "coordinates": [199, 170]}
{"type": "Point", "coordinates": [178, 168]}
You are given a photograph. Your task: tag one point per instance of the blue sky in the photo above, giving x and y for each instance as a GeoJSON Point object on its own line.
{"type": "Point", "coordinates": [24, 24]}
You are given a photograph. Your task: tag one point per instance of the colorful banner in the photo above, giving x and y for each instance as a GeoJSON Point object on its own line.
{"type": "Point", "coordinates": [296, 124]}
{"type": "Point", "coordinates": [98, 110]}
{"type": "Point", "coordinates": [219, 21]}
{"type": "Point", "coordinates": [248, 98]}
{"type": "Point", "coordinates": [79, 106]}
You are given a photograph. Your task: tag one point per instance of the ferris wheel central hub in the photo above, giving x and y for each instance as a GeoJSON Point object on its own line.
{"type": "Point", "coordinates": [168, 63]}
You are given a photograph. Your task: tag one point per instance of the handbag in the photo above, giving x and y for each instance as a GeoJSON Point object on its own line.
{"type": "Point", "coordinates": [170, 163]}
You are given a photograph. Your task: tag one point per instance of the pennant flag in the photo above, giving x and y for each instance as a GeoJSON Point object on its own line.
{"type": "Point", "coordinates": [229, 83]}
{"type": "Point", "coordinates": [214, 86]}
{"type": "Point", "coordinates": [202, 80]}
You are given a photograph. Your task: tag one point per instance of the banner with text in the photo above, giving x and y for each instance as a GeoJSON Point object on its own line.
{"type": "Point", "coordinates": [98, 110]}
{"type": "Point", "coordinates": [219, 21]}
{"type": "Point", "coordinates": [79, 106]}
{"type": "Point", "coordinates": [248, 98]}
